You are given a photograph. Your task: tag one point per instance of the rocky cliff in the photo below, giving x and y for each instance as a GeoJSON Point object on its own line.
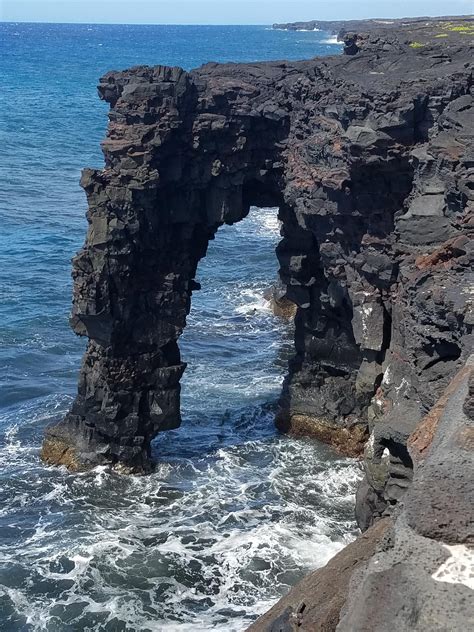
{"type": "Point", "coordinates": [369, 158]}
{"type": "Point", "coordinates": [412, 572]}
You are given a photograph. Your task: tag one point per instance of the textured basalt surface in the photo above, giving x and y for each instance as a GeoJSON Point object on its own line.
{"type": "Point", "coordinates": [368, 157]}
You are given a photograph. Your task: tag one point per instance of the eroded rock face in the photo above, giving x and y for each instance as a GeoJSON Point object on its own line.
{"type": "Point", "coordinates": [368, 158]}
{"type": "Point", "coordinates": [432, 307]}
{"type": "Point", "coordinates": [422, 571]}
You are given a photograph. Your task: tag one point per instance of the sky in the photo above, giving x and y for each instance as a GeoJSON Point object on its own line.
{"type": "Point", "coordinates": [220, 11]}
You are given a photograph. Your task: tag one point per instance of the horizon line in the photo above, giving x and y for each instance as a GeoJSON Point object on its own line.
{"type": "Point", "coordinates": [138, 23]}
{"type": "Point", "coordinates": [433, 17]}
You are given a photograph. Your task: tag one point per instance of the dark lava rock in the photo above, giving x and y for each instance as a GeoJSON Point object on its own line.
{"type": "Point", "coordinates": [314, 605]}
{"type": "Point", "coordinates": [418, 580]}
{"type": "Point", "coordinates": [444, 485]}
{"type": "Point", "coordinates": [411, 572]}
{"type": "Point", "coordinates": [369, 159]}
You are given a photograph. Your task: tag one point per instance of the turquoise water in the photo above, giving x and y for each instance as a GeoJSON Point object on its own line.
{"type": "Point", "coordinates": [235, 513]}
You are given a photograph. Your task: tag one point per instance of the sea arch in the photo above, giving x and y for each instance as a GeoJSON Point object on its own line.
{"type": "Point", "coordinates": [184, 154]}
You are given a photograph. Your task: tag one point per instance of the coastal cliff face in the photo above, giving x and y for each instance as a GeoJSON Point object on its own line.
{"type": "Point", "coordinates": [412, 571]}
{"type": "Point", "coordinates": [368, 157]}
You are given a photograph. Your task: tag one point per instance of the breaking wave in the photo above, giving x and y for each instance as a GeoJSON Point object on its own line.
{"type": "Point", "coordinates": [331, 40]}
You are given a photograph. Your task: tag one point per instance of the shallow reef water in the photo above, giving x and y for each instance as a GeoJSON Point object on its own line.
{"type": "Point", "coordinates": [235, 513]}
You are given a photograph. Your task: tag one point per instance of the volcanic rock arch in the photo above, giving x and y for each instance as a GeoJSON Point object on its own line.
{"type": "Point", "coordinates": [346, 156]}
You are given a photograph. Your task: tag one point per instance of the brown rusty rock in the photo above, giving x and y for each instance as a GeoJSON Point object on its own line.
{"type": "Point", "coordinates": [314, 605]}
{"type": "Point", "coordinates": [444, 255]}
{"type": "Point", "coordinates": [346, 440]}
{"type": "Point", "coordinates": [57, 452]}
{"type": "Point", "coordinates": [420, 440]}
{"type": "Point", "coordinates": [283, 308]}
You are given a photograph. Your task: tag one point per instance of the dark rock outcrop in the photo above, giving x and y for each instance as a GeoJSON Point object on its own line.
{"type": "Point", "coordinates": [395, 28]}
{"type": "Point", "coordinates": [432, 309]}
{"type": "Point", "coordinates": [412, 572]}
{"type": "Point", "coordinates": [423, 571]}
{"type": "Point", "coordinates": [369, 159]}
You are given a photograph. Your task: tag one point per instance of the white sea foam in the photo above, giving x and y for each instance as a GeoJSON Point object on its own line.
{"type": "Point", "coordinates": [241, 533]}
{"type": "Point", "coordinates": [269, 220]}
{"type": "Point", "coordinates": [263, 222]}
{"type": "Point", "coordinates": [12, 443]}
{"type": "Point", "coordinates": [234, 514]}
{"type": "Point", "coordinates": [332, 40]}
{"type": "Point", "coordinates": [253, 301]}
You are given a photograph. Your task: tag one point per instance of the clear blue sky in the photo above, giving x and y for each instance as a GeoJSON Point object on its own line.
{"type": "Point", "coordinates": [220, 11]}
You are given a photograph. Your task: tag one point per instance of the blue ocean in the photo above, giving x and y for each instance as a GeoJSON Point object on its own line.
{"type": "Point", "coordinates": [235, 513]}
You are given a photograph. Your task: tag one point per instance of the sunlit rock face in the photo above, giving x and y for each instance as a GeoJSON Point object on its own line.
{"type": "Point", "coordinates": [368, 158]}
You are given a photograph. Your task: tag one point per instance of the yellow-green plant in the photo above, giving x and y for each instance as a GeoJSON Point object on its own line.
{"type": "Point", "coordinates": [461, 29]}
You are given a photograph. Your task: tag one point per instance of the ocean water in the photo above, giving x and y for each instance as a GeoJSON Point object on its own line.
{"type": "Point", "coordinates": [235, 513]}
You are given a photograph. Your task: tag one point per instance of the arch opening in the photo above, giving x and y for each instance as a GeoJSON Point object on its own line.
{"type": "Point", "coordinates": [236, 349]}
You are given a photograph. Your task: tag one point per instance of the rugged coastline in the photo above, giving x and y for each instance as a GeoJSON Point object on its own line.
{"type": "Point", "coordinates": [368, 157]}
{"type": "Point", "coordinates": [419, 561]}
{"type": "Point", "coordinates": [394, 26]}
